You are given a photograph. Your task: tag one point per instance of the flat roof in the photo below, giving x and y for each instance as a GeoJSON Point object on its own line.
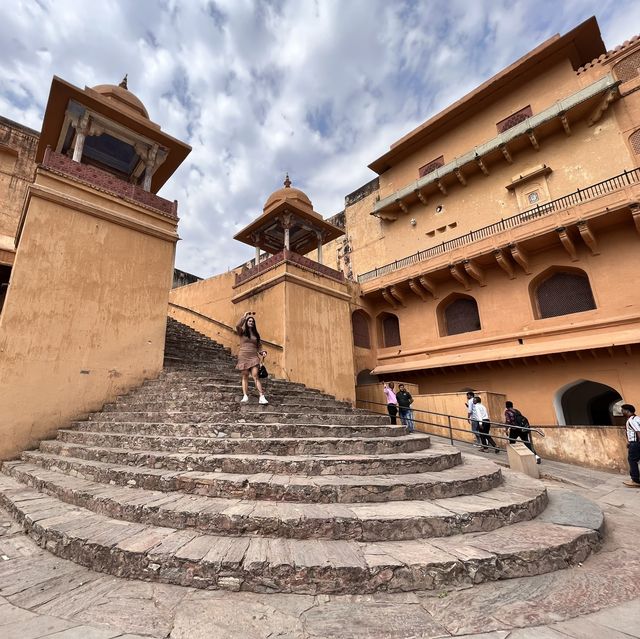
{"type": "Point", "coordinates": [586, 44]}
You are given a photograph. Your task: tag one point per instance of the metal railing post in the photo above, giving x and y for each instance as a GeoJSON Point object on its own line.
{"type": "Point", "coordinates": [450, 430]}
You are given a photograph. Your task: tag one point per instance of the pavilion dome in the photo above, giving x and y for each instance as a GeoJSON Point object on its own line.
{"type": "Point", "coordinates": [288, 194]}
{"type": "Point", "coordinates": [121, 94]}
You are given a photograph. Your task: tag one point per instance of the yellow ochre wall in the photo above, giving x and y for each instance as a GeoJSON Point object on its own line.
{"type": "Point", "coordinates": [85, 316]}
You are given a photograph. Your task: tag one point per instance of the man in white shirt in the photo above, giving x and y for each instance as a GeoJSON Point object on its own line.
{"type": "Point", "coordinates": [633, 444]}
{"type": "Point", "coordinates": [472, 418]}
{"type": "Point", "coordinates": [480, 413]}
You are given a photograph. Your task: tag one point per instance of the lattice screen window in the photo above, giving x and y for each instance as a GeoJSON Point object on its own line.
{"type": "Point", "coordinates": [390, 331]}
{"type": "Point", "coordinates": [563, 294]}
{"type": "Point", "coordinates": [634, 141]}
{"type": "Point", "coordinates": [513, 119]}
{"type": "Point", "coordinates": [431, 166]}
{"type": "Point", "coordinates": [360, 330]}
{"type": "Point", "coordinates": [461, 316]}
{"type": "Point", "coordinates": [629, 68]}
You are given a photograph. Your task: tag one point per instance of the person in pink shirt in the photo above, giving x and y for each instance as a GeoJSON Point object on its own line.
{"type": "Point", "coordinates": [392, 402]}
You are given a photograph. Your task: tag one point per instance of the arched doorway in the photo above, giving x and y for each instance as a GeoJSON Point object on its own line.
{"type": "Point", "coordinates": [585, 402]}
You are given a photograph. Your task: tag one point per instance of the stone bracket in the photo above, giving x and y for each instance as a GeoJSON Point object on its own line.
{"type": "Point", "coordinates": [504, 263]}
{"type": "Point", "coordinates": [475, 272]}
{"type": "Point", "coordinates": [521, 257]}
{"type": "Point", "coordinates": [588, 236]}
{"type": "Point", "coordinates": [568, 243]}
{"type": "Point", "coordinates": [459, 275]}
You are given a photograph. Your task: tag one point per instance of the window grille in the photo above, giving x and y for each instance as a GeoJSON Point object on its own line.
{"type": "Point", "coordinates": [628, 68]}
{"type": "Point", "coordinates": [431, 166]}
{"type": "Point", "coordinates": [360, 325]}
{"type": "Point", "coordinates": [563, 294]}
{"type": "Point", "coordinates": [390, 331]}
{"type": "Point", "coordinates": [461, 316]}
{"type": "Point", "coordinates": [513, 119]}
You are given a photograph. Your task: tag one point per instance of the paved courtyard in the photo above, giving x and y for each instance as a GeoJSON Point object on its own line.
{"type": "Point", "coordinates": [43, 596]}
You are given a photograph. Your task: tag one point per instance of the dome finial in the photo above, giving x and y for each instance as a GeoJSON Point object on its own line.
{"type": "Point", "coordinates": [287, 181]}
{"type": "Point", "coordinates": [123, 84]}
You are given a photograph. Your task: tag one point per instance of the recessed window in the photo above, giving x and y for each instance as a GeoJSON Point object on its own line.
{"type": "Point", "coordinates": [360, 323]}
{"type": "Point", "coordinates": [514, 119]}
{"type": "Point", "coordinates": [389, 330]}
{"type": "Point", "coordinates": [460, 315]}
{"type": "Point", "coordinates": [564, 293]}
{"type": "Point", "coordinates": [430, 167]}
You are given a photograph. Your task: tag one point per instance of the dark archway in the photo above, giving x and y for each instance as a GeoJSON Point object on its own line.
{"type": "Point", "coordinates": [365, 377]}
{"type": "Point", "coordinates": [587, 403]}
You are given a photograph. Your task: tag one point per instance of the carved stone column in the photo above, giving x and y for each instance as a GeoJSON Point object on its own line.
{"type": "Point", "coordinates": [82, 129]}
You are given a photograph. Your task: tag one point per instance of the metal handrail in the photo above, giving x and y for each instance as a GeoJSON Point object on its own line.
{"type": "Point", "coordinates": [609, 185]}
{"type": "Point", "coordinates": [452, 428]}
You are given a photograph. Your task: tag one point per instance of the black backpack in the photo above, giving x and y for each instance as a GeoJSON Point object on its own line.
{"type": "Point", "coordinates": [521, 420]}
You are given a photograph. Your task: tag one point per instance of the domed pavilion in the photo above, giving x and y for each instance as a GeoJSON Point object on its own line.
{"type": "Point", "coordinates": [289, 225]}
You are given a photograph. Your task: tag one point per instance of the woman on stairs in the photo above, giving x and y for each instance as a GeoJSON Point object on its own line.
{"type": "Point", "coordinates": [249, 355]}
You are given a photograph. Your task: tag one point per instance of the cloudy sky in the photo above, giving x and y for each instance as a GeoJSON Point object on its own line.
{"type": "Point", "coordinates": [316, 88]}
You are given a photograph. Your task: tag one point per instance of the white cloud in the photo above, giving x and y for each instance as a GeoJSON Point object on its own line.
{"type": "Point", "coordinates": [316, 88]}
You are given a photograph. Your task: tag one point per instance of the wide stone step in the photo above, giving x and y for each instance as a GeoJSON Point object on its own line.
{"type": "Point", "coordinates": [519, 499]}
{"type": "Point", "coordinates": [311, 566]}
{"type": "Point", "coordinates": [473, 476]}
{"type": "Point", "coordinates": [251, 446]}
{"type": "Point", "coordinates": [209, 392]}
{"type": "Point", "coordinates": [243, 429]}
{"type": "Point", "coordinates": [203, 377]}
{"type": "Point", "coordinates": [217, 401]}
{"type": "Point", "coordinates": [436, 458]}
{"type": "Point", "coordinates": [268, 415]}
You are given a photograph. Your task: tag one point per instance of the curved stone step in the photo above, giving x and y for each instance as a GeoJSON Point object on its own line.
{"type": "Point", "coordinates": [310, 566]}
{"type": "Point", "coordinates": [519, 499]}
{"type": "Point", "coordinates": [243, 429]}
{"type": "Point", "coordinates": [206, 391]}
{"type": "Point", "coordinates": [227, 400]}
{"type": "Point", "coordinates": [251, 445]}
{"type": "Point", "coordinates": [267, 414]}
{"type": "Point", "coordinates": [436, 458]}
{"type": "Point", "coordinates": [473, 476]}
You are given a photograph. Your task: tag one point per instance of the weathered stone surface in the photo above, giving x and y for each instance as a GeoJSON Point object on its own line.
{"type": "Point", "coordinates": [176, 483]}
{"type": "Point", "coordinates": [570, 509]}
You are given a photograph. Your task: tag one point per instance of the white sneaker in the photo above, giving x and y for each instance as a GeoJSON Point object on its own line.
{"type": "Point", "coordinates": [244, 399]}
{"type": "Point", "coordinates": [262, 400]}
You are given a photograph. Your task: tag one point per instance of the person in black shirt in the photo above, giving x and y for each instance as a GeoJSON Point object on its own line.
{"type": "Point", "coordinates": [404, 404]}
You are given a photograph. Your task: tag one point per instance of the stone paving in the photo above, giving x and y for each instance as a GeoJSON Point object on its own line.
{"type": "Point", "coordinates": [306, 518]}
{"type": "Point", "coordinates": [44, 596]}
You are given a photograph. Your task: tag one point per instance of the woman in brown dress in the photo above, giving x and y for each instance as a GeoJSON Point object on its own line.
{"type": "Point", "coordinates": [249, 355]}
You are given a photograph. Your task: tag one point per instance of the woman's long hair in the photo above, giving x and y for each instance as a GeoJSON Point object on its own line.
{"type": "Point", "coordinates": [252, 332]}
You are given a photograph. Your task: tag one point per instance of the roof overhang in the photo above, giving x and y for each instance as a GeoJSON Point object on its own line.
{"type": "Point", "coordinates": [582, 44]}
{"type": "Point", "coordinates": [582, 98]}
{"type": "Point", "coordinates": [267, 231]}
{"type": "Point", "coordinates": [62, 92]}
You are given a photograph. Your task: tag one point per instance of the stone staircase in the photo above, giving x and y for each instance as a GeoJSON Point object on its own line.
{"type": "Point", "coordinates": [179, 483]}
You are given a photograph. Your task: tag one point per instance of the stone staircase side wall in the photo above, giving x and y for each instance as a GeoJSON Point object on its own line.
{"type": "Point", "coordinates": [85, 315]}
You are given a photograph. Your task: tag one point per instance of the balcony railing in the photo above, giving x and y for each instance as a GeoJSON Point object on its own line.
{"type": "Point", "coordinates": [104, 181]}
{"type": "Point", "coordinates": [293, 258]}
{"type": "Point", "coordinates": [581, 195]}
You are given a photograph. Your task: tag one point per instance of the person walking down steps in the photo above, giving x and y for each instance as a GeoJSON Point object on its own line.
{"type": "Point", "coordinates": [249, 355]}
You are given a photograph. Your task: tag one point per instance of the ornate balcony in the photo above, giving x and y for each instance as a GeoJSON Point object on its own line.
{"type": "Point", "coordinates": [104, 181]}
{"type": "Point", "coordinates": [611, 185]}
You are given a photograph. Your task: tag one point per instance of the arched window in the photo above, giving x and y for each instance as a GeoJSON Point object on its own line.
{"type": "Point", "coordinates": [634, 141]}
{"type": "Point", "coordinates": [563, 293]}
{"type": "Point", "coordinates": [459, 315]}
{"type": "Point", "coordinates": [389, 330]}
{"type": "Point", "coordinates": [360, 324]}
